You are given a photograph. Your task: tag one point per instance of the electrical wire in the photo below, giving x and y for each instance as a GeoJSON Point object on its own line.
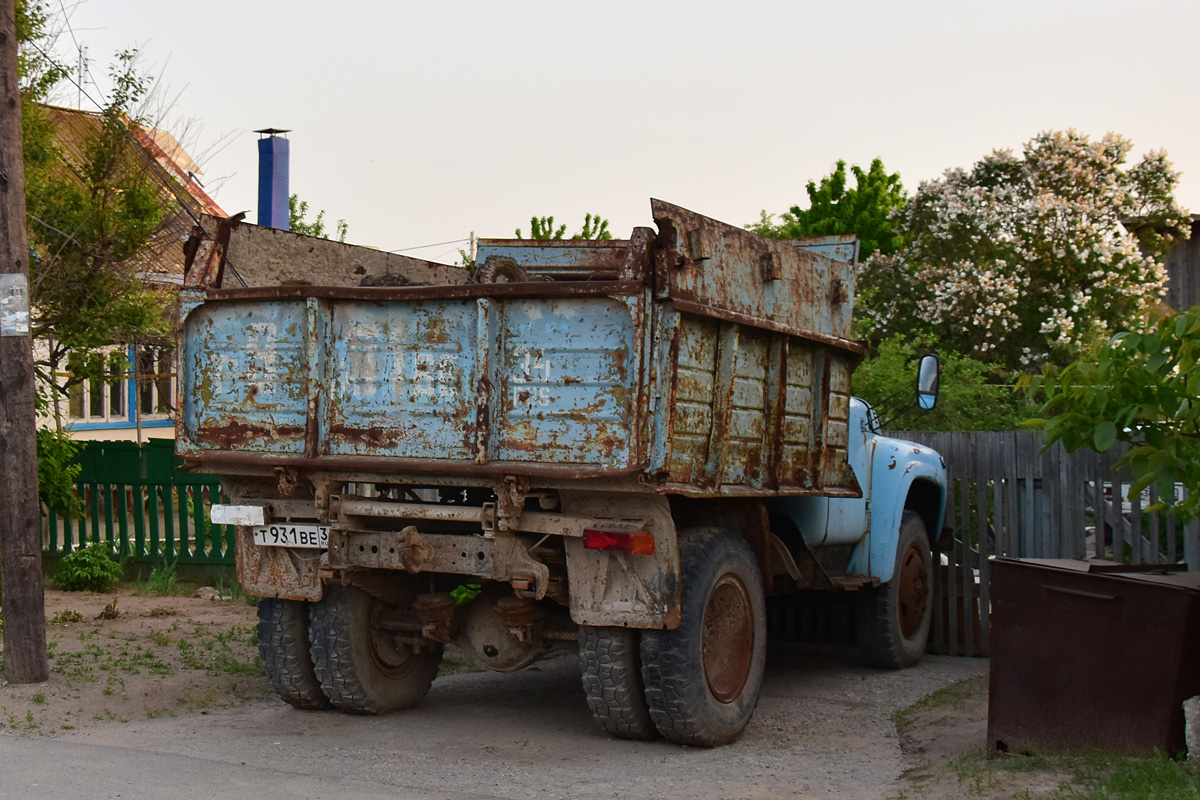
{"type": "Point", "coordinates": [426, 246]}
{"type": "Point", "coordinates": [155, 168]}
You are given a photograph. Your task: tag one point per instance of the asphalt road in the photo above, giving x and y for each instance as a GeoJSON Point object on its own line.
{"type": "Point", "coordinates": [822, 729]}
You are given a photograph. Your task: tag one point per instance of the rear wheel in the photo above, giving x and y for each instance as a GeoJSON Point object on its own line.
{"type": "Point", "coordinates": [283, 645]}
{"type": "Point", "coordinates": [362, 667]}
{"type": "Point", "coordinates": [703, 678]}
{"type": "Point", "coordinates": [899, 614]}
{"type": "Point", "coordinates": [612, 681]}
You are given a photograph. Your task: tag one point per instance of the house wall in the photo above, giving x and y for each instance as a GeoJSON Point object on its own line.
{"type": "Point", "coordinates": [1183, 272]}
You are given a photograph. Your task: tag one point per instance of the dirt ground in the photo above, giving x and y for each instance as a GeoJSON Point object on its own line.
{"type": "Point", "coordinates": [166, 657]}
{"type": "Point", "coordinates": [158, 656]}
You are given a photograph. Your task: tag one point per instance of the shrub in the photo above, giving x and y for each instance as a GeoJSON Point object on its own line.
{"type": "Point", "coordinates": [90, 569]}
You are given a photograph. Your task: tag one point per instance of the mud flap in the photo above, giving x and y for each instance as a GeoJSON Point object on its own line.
{"type": "Point", "coordinates": [620, 589]}
{"type": "Point", "coordinates": [283, 572]}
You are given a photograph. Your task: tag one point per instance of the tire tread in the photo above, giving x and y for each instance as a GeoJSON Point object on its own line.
{"type": "Point", "coordinates": [283, 645]}
{"type": "Point", "coordinates": [612, 682]}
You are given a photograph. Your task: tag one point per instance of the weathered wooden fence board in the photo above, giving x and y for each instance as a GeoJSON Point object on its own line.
{"type": "Point", "coordinates": [1008, 496]}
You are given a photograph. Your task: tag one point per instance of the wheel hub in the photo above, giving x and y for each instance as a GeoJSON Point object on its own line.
{"type": "Point", "coordinates": [913, 591]}
{"type": "Point", "coordinates": [728, 639]}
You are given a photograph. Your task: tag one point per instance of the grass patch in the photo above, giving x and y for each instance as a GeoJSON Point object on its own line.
{"type": "Point", "coordinates": [954, 696]}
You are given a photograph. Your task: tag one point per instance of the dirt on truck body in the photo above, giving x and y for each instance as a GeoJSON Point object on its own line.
{"type": "Point", "coordinates": [622, 446]}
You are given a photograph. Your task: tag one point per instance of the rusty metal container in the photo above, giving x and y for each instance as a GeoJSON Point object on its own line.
{"type": "Point", "coordinates": [700, 359]}
{"type": "Point", "coordinates": [1091, 655]}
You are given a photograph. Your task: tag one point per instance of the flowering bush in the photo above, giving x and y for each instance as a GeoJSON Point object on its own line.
{"type": "Point", "coordinates": [1032, 259]}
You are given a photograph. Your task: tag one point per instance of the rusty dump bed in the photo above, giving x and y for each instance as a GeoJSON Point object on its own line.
{"type": "Point", "coordinates": [700, 359]}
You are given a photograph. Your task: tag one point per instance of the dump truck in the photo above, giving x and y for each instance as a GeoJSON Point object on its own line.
{"type": "Point", "coordinates": [622, 447]}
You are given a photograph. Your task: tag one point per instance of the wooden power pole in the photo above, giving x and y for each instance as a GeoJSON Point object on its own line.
{"type": "Point", "coordinates": [21, 594]}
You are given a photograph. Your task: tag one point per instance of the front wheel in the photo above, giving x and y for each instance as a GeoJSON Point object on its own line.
{"type": "Point", "coordinates": [702, 679]}
{"type": "Point", "coordinates": [362, 667]}
{"type": "Point", "coordinates": [898, 615]}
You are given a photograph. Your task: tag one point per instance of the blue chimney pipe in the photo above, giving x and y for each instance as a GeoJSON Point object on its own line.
{"type": "Point", "coordinates": [273, 157]}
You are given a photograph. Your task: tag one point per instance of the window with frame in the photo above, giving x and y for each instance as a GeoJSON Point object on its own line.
{"type": "Point", "coordinates": [136, 380]}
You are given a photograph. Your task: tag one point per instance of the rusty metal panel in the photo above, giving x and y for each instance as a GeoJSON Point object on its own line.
{"type": "Point", "coordinates": [801, 419]}
{"type": "Point", "coordinates": [284, 572]}
{"type": "Point", "coordinates": [1088, 655]}
{"type": "Point", "coordinates": [569, 371]}
{"type": "Point", "coordinates": [536, 380]}
{"type": "Point", "coordinates": [578, 259]}
{"type": "Point", "coordinates": [711, 268]}
{"type": "Point", "coordinates": [244, 382]}
{"type": "Point", "coordinates": [403, 379]}
{"type": "Point", "coordinates": [683, 411]}
{"type": "Point", "coordinates": [744, 453]}
{"type": "Point", "coordinates": [839, 248]}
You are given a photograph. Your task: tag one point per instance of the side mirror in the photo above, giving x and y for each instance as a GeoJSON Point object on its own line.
{"type": "Point", "coordinates": [927, 382]}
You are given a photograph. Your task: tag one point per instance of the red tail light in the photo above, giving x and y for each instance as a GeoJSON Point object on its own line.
{"type": "Point", "coordinates": [637, 542]}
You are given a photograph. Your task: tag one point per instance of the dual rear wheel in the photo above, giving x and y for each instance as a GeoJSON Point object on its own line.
{"type": "Point", "coordinates": [697, 684]}
{"type": "Point", "coordinates": [342, 652]}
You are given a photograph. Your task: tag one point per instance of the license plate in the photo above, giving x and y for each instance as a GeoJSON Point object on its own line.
{"type": "Point", "coordinates": [292, 535]}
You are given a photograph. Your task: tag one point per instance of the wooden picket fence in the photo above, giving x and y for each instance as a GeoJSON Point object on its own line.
{"type": "Point", "coordinates": [139, 501]}
{"type": "Point", "coordinates": [1008, 496]}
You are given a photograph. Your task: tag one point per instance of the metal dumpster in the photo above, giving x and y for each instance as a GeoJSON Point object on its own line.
{"type": "Point", "coordinates": [1089, 654]}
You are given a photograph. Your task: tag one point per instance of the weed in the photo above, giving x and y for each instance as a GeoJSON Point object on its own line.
{"type": "Point", "coordinates": [110, 612]}
{"type": "Point", "coordinates": [38, 698]}
{"type": "Point", "coordinates": [159, 638]}
{"type": "Point", "coordinates": [160, 612]}
{"type": "Point", "coordinates": [954, 696]}
{"type": "Point", "coordinates": [162, 581]}
{"type": "Point", "coordinates": [66, 617]}
{"type": "Point", "coordinates": [89, 569]}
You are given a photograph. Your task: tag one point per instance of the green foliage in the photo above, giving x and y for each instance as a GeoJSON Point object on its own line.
{"type": "Point", "coordinates": [36, 73]}
{"type": "Point", "coordinates": [94, 208]}
{"type": "Point", "coordinates": [866, 209]}
{"type": "Point", "coordinates": [1141, 388]}
{"type": "Point", "coordinates": [162, 580]}
{"type": "Point", "coordinates": [595, 227]}
{"type": "Point", "coordinates": [465, 593]}
{"type": "Point", "coordinates": [90, 569]}
{"type": "Point", "coordinates": [974, 396]}
{"type": "Point", "coordinates": [298, 210]}
{"type": "Point", "coordinates": [1029, 258]}
{"type": "Point", "coordinates": [57, 471]}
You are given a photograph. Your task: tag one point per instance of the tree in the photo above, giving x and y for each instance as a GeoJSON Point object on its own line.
{"type": "Point", "coordinates": [866, 209]}
{"type": "Point", "coordinates": [1030, 259]}
{"type": "Point", "coordinates": [975, 395]}
{"type": "Point", "coordinates": [1142, 388]}
{"type": "Point", "coordinates": [595, 228]}
{"type": "Point", "coordinates": [298, 209]}
{"type": "Point", "coordinates": [93, 210]}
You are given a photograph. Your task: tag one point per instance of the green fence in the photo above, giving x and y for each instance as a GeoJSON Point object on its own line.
{"type": "Point", "coordinates": [136, 498]}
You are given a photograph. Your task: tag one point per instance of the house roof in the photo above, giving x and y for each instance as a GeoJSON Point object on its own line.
{"type": "Point", "coordinates": [163, 257]}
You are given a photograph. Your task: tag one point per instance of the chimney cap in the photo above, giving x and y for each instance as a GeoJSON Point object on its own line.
{"type": "Point", "coordinates": [274, 131]}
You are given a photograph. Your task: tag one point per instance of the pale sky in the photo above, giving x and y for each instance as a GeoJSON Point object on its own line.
{"type": "Point", "coordinates": [418, 122]}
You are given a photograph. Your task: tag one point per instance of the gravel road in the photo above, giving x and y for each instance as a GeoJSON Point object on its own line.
{"type": "Point", "coordinates": [822, 729]}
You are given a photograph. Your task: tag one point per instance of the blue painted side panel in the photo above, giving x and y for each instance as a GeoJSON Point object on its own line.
{"type": "Point", "coordinates": [244, 376]}
{"type": "Point", "coordinates": [568, 377]}
{"type": "Point", "coordinates": [403, 378]}
{"type": "Point", "coordinates": [896, 466]}
{"type": "Point", "coordinates": [550, 380]}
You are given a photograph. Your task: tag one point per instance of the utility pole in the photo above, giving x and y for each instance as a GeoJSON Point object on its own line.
{"type": "Point", "coordinates": [24, 600]}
